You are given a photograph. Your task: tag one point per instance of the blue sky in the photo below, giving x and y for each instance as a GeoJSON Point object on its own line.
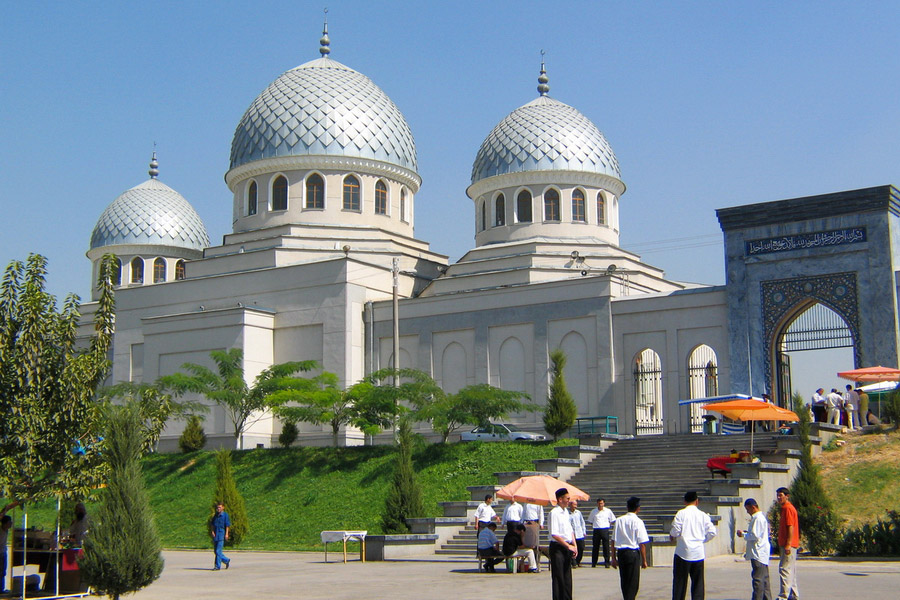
{"type": "Point", "coordinates": [706, 104]}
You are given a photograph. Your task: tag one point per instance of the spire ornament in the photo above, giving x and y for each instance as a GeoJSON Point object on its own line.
{"type": "Point", "coordinates": [154, 165]}
{"type": "Point", "coordinates": [325, 41]}
{"type": "Point", "coordinates": [543, 87]}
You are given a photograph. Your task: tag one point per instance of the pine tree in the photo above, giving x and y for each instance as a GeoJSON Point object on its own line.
{"type": "Point", "coordinates": [192, 438]}
{"type": "Point", "coordinates": [818, 524]}
{"type": "Point", "coordinates": [227, 493]}
{"type": "Point", "coordinates": [288, 434]}
{"type": "Point", "coordinates": [560, 413]}
{"type": "Point", "coordinates": [122, 552]}
{"type": "Point", "coordinates": [404, 498]}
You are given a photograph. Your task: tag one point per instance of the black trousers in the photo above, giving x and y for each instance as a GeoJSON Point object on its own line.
{"type": "Point", "coordinates": [579, 543]}
{"type": "Point", "coordinates": [561, 571]}
{"type": "Point", "coordinates": [601, 538]}
{"type": "Point", "coordinates": [759, 575]}
{"type": "Point", "coordinates": [629, 572]}
{"type": "Point", "coordinates": [680, 572]}
{"type": "Point", "coordinates": [489, 555]}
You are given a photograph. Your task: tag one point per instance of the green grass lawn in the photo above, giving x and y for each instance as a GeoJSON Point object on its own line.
{"type": "Point", "coordinates": [293, 494]}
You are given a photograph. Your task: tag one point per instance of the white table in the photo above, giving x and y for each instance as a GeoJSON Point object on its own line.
{"type": "Point", "coordinates": [344, 536]}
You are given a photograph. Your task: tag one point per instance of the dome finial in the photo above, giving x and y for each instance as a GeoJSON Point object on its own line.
{"type": "Point", "coordinates": [154, 165]}
{"type": "Point", "coordinates": [543, 87]}
{"type": "Point", "coordinates": [325, 48]}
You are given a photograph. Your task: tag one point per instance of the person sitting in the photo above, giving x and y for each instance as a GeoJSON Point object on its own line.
{"type": "Point", "coordinates": [489, 547]}
{"type": "Point", "coordinates": [514, 546]}
{"type": "Point", "coordinates": [872, 419]}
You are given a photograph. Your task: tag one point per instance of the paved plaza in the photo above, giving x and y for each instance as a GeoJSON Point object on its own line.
{"type": "Point", "coordinates": [271, 575]}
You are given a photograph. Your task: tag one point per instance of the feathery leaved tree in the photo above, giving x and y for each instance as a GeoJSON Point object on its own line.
{"type": "Point", "coordinates": [122, 553]}
{"type": "Point", "coordinates": [228, 494]}
{"type": "Point", "coordinates": [560, 412]}
{"type": "Point", "coordinates": [226, 386]}
{"type": "Point", "coordinates": [474, 405]}
{"type": "Point", "coordinates": [318, 400]}
{"type": "Point", "coordinates": [50, 429]}
{"type": "Point", "coordinates": [404, 498]}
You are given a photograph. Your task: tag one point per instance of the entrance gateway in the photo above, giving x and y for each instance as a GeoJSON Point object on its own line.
{"type": "Point", "coordinates": [810, 273]}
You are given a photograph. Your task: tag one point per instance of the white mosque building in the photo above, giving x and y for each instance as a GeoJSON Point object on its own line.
{"type": "Point", "coordinates": [324, 181]}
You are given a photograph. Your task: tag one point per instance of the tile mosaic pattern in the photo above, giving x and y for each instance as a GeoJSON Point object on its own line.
{"type": "Point", "coordinates": [150, 213]}
{"type": "Point", "coordinates": [545, 134]}
{"type": "Point", "coordinates": [324, 107]}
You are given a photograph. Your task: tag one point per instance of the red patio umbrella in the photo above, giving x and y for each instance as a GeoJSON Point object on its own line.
{"type": "Point", "coordinates": [871, 374]}
{"type": "Point", "coordinates": [539, 489]}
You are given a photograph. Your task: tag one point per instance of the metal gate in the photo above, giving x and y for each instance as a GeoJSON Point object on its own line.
{"type": "Point", "coordinates": [648, 405]}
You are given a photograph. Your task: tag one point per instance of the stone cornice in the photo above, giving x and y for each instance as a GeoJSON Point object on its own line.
{"type": "Point", "coordinates": [323, 162]}
{"type": "Point", "coordinates": [563, 178]}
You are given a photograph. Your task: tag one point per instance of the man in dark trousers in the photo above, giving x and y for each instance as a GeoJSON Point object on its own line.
{"type": "Point", "coordinates": [690, 530]}
{"type": "Point", "coordinates": [220, 529]}
{"type": "Point", "coordinates": [629, 549]}
{"type": "Point", "coordinates": [601, 519]}
{"type": "Point", "coordinates": [562, 547]}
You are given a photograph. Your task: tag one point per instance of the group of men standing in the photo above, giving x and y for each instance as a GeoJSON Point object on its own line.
{"type": "Point", "coordinates": [828, 408]}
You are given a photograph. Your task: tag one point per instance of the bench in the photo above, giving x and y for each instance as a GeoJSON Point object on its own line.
{"type": "Point", "coordinates": [516, 567]}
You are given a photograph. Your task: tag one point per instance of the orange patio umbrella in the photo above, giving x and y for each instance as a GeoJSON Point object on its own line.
{"type": "Point", "coordinates": [871, 374]}
{"type": "Point", "coordinates": [752, 410]}
{"type": "Point", "coordinates": [539, 489]}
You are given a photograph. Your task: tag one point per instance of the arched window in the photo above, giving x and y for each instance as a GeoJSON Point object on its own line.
{"type": "Point", "coordinates": [648, 400]}
{"type": "Point", "coordinates": [280, 193]}
{"type": "Point", "coordinates": [403, 216]}
{"type": "Point", "coordinates": [578, 206]}
{"type": "Point", "coordinates": [703, 382]}
{"type": "Point", "coordinates": [315, 192]}
{"type": "Point", "coordinates": [351, 193]}
{"type": "Point", "coordinates": [500, 211]}
{"type": "Point", "coordinates": [523, 207]}
{"type": "Point", "coordinates": [381, 200]}
{"type": "Point", "coordinates": [137, 270]}
{"type": "Point", "coordinates": [117, 272]}
{"type": "Point", "coordinates": [179, 270]}
{"type": "Point", "coordinates": [252, 195]}
{"type": "Point", "coordinates": [482, 209]}
{"type": "Point", "coordinates": [551, 205]}
{"type": "Point", "coordinates": [159, 270]}
{"type": "Point", "coordinates": [601, 209]}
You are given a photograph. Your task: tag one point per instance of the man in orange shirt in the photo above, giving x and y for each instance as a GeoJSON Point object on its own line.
{"type": "Point", "coordinates": [788, 543]}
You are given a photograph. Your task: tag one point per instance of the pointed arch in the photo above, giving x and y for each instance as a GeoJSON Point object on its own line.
{"type": "Point", "coordinates": [576, 371]}
{"type": "Point", "coordinates": [648, 396]}
{"type": "Point", "coordinates": [703, 381]}
{"type": "Point", "coordinates": [159, 270]}
{"type": "Point", "coordinates": [352, 199]}
{"type": "Point", "coordinates": [137, 270]}
{"type": "Point", "coordinates": [453, 368]}
{"type": "Point", "coordinates": [601, 209]}
{"type": "Point", "coordinates": [381, 198]}
{"type": "Point", "coordinates": [551, 205]}
{"type": "Point", "coordinates": [578, 211]}
{"type": "Point", "coordinates": [523, 207]}
{"type": "Point", "coordinates": [279, 193]}
{"type": "Point", "coordinates": [179, 270]}
{"type": "Point", "coordinates": [252, 198]}
{"type": "Point", "coordinates": [315, 192]}
{"type": "Point", "coordinates": [499, 210]}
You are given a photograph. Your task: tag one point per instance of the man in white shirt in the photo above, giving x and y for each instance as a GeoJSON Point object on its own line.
{"type": "Point", "coordinates": [629, 549]}
{"type": "Point", "coordinates": [818, 405]}
{"type": "Point", "coordinates": [851, 403]}
{"type": "Point", "coordinates": [484, 514]}
{"type": "Point", "coordinates": [580, 529]}
{"type": "Point", "coordinates": [691, 529]}
{"type": "Point", "coordinates": [833, 403]}
{"type": "Point", "coordinates": [757, 536]}
{"type": "Point", "coordinates": [562, 547]}
{"type": "Point", "coordinates": [512, 516]}
{"type": "Point", "coordinates": [601, 519]}
{"type": "Point", "coordinates": [533, 515]}
{"type": "Point", "coordinates": [489, 547]}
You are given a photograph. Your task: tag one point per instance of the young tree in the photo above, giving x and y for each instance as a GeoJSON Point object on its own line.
{"type": "Point", "coordinates": [228, 494]}
{"type": "Point", "coordinates": [560, 412]}
{"type": "Point", "coordinates": [51, 424]}
{"type": "Point", "coordinates": [474, 405]}
{"type": "Point", "coordinates": [193, 438]}
{"type": "Point", "coordinates": [321, 402]}
{"type": "Point", "coordinates": [404, 499]}
{"type": "Point", "coordinates": [227, 387]}
{"type": "Point", "coordinates": [288, 434]}
{"type": "Point", "coordinates": [122, 554]}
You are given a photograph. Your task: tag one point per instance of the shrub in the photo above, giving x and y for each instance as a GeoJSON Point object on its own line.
{"type": "Point", "coordinates": [192, 438]}
{"type": "Point", "coordinates": [227, 493]}
{"type": "Point", "coordinates": [404, 498]}
{"type": "Point", "coordinates": [891, 408]}
{"type": "Point", "coordinates": [288, 434]}
{"type": "Point", "coordinates": [560, 413]}
{"type": "Point", "coordinates": [873, 539]}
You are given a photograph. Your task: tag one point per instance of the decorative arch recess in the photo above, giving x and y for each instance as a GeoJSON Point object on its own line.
{"type": "Point", "coordinates": [783, 298]}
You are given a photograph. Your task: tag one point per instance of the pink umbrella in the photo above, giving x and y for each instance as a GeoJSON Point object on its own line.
{"type": "Point", "coordinates": [539, 489]}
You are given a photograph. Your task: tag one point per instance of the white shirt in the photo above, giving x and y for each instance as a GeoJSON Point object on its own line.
{"type": "Point", "coordinates": [534, 512]}
{"type": "Point", "coordinates": [851, 400]}
{"type": "Point", "coordinates": [485, 512]}
{"type": "Point", "coordinates": [818, 399]}
{"type": "Point", "coordinates": [578, 525]}
{"type": "Point", "coordinates": [630, 532]}
{"type": "Point", "coordinates": [691, 529]}
{"type": "Point", "coordinates": [602, 519]}
{"type": "Point", "coordinates": [757, 536]}
{"type": "Point", "coordinates": [833, 400]}
{"type": "Point", "coordinates": [513, 512]}
{"type": "Point", "coordinates": [486, 538]}
{"type": "Point", "coordinates": [561, 524]}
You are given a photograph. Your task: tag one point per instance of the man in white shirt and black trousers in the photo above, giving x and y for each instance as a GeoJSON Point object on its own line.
{"type": "Point", "coordinates": [758, 548]}
{"type": "Point", "coordinates": [562, 547]}
{"type": "Point", "coordinates": [629, 548]}
{"type": "Point", "coordinates": [691, 529]}
{"type": "Point", "coordinates": [601, 519]}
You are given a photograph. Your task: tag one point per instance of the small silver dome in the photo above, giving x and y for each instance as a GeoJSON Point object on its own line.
{"type": "Point", "coordinates": [150, 213]}
{"type": "Point", "coordinates": [544, 135]}
{"type": "Point", "coordinates": [325, 108]}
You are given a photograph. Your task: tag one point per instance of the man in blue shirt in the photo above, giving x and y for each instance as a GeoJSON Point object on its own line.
{"type": "Point", "coordinates": [219, 529]}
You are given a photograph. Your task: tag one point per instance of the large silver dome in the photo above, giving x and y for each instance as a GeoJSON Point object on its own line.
{"type": "Point", "coordinates": [544, 135]}
{"type": "Point", "coordinates": [324, 108]}
{"type": "Point", "coordinates": [150, 213]}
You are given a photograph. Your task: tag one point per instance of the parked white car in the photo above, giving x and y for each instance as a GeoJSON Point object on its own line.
{"type": "Point", "coordinates": [500, 432]}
